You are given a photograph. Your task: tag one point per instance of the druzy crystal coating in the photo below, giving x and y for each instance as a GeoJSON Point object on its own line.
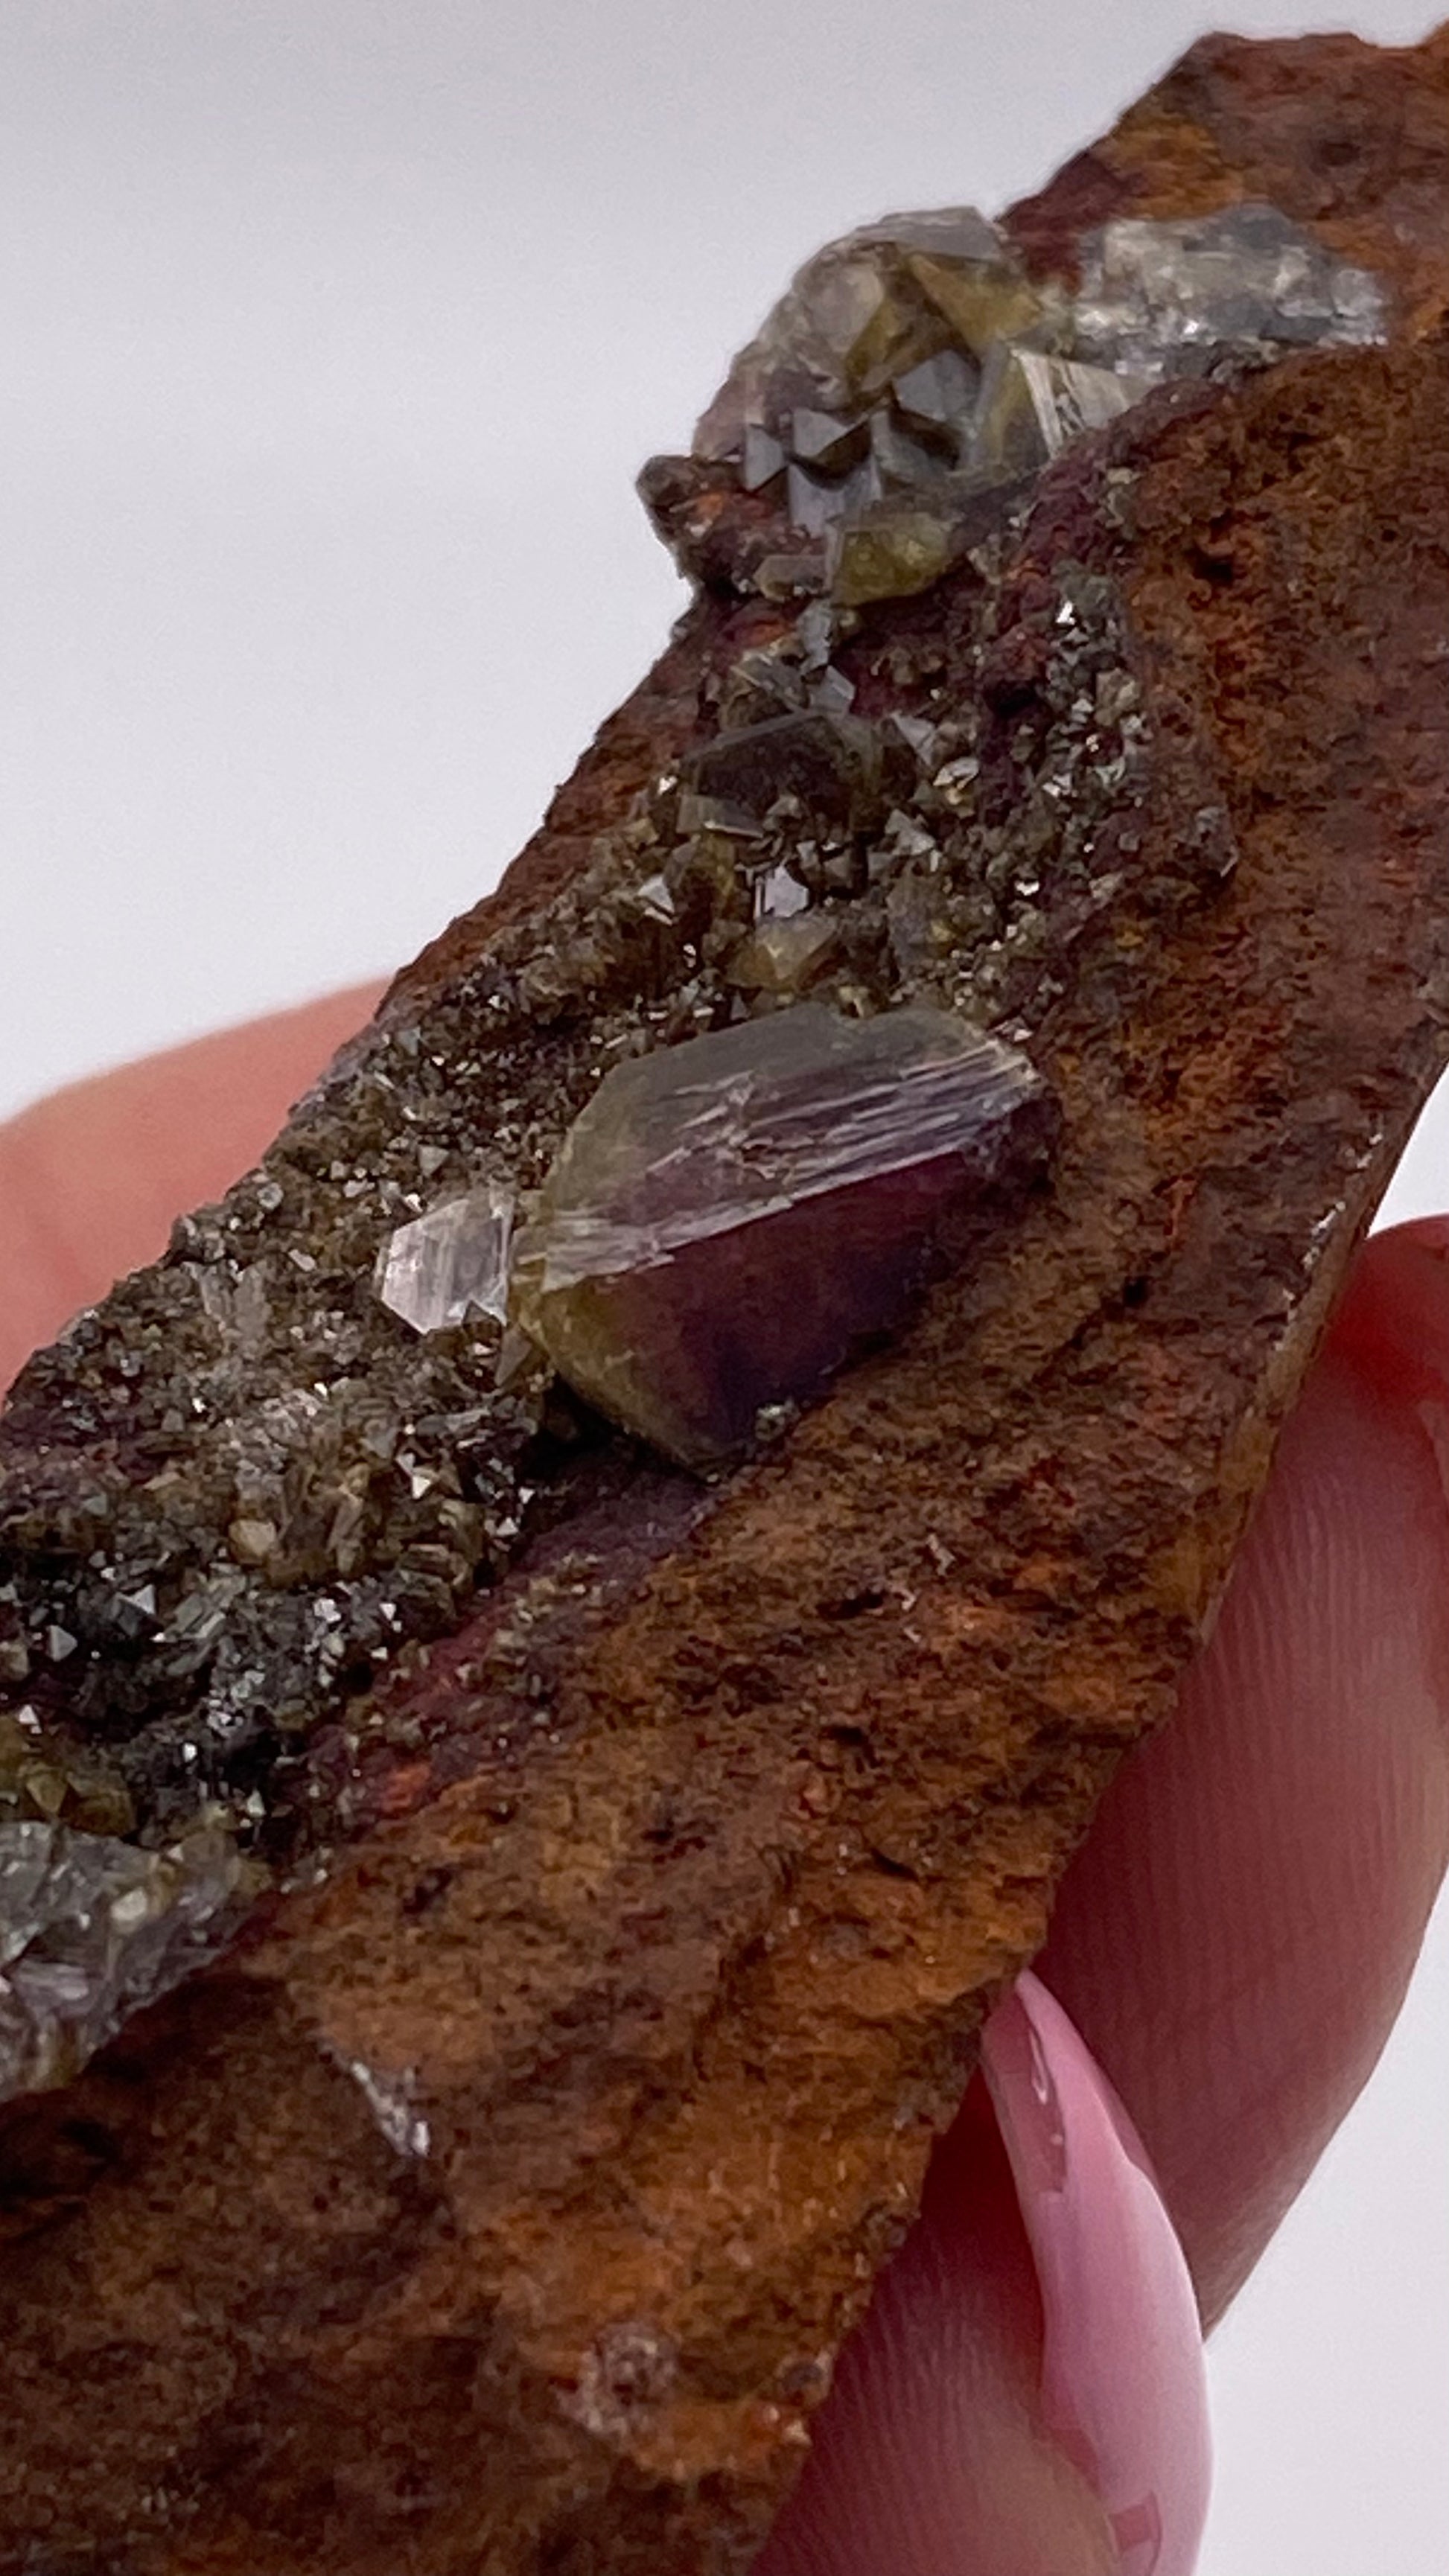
{"type": "Point", "coordinates": [451, 1263]}
{"type": "Point", "coordinates": [913, 366]}
{"type": "Point", "coordinates": [92, 1928]}
{"type": "Point", "coordinates": [727, 1220]}
{"type": "Point", "coordinates": [1163, 297]}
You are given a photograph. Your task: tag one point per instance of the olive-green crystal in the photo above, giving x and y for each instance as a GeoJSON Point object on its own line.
{"type": "Point", "coordinates": [889, 553]}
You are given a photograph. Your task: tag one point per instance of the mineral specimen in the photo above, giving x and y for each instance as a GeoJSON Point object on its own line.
{"type": "Point", "coordinates": [1030, 405]}
{"type": "Point", "coordinates": [831, 762]}
{"type": "Point", "coordinates": [44, 1778]}
{"type": "Point", "coordinates": [887, 553]}
{"type": "Point", "coordinates": [727, 1220]}
{"type": "Point", "coordinates": [646, 1848]}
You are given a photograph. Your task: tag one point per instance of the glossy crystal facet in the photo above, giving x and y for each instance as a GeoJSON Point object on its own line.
{"type": "Point", "coordinates": [727, 1220]}
{"type": "Point", "coordinates": [1162, 298]}
{"type": "Point", "coordinates": [787, 954]}
{"type": "Point", "coordinates": [451, 1263]}
{"type": "Point", "coordinates": [889, 553]}
{"type": "Point", "coordinates": [1032, 404]}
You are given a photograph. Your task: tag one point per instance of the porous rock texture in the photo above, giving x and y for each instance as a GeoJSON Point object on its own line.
{"type": "Point", "coordinates": [500, 2200]}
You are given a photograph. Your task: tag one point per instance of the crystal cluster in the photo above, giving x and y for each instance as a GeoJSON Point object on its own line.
{"type": "Point", "coordinates": [1165, 298]}
{"type": "Point", "coordinates": [92, 1928]}
{"type": "Point", "coordinates": [50, 1780]}
{"type": "Point", "coordinates": [913, 366]}
{"type": "Point", "coordinates": [727, 1220]}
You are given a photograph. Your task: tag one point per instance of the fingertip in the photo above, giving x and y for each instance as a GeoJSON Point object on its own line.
{"type": "Point", "coordinates": [1124, 2387]}
{"type": "Point", "coordinates": [930, 2457]}
{"type": "Point", "coordinates": [1235, 1936]}
{"type": "Point", "coordinates": [1391, 1325]}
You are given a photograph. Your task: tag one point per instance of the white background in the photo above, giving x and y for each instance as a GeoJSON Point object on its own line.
{"type": "Point", "coordinates": [331, 336]}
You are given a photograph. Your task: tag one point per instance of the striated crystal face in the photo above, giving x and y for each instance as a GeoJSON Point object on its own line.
{"type": "Point", "coordinates": [92, 1928]}
{"type": "Point", "coordinates": [452, 1262]}
{"type": "Point", "coordinates": [1032, 404]}
{"type": "Point", "coordinates": [913, 366]}
{"type": "Point", "coordinates": [729, 1218]}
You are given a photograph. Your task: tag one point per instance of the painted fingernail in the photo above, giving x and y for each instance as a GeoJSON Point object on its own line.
{"type": "Point", "coordinates": [1124, 2389]}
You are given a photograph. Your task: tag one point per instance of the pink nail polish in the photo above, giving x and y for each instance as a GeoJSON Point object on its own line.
{"type": "Point", "coordinates": [1124, 2388]}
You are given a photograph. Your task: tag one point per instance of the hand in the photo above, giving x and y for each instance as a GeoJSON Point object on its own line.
{"type": "Point", "coordinates": [1232, 1942]}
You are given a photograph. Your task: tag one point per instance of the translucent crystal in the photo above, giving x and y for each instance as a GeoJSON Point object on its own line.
{"type": "Point", "coordinates": [239, 1305]}
{"type": "Point", "coordinates": [727, 1219]}
{"type": "Point", "coordinates": [873, 306]}
{"type": "Point", "coordinates": [982, 301]}
{"type": "Point", "coordinates": [1160, 297]}
{"type": "Point", "coordinates": [437, 1270]}
{"type": "Point", "coordinates": [91, 1929]}
{"type": "Point", "coordinates": [852, 320]}
{"type": "Point", "coordinates": [915, 358]}
{"type": "Point", "coordinates": [954, 233]}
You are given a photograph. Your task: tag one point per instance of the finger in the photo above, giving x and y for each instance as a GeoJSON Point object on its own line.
{"type": "Point", "coordinates": [1235, 1938]}
{"type": "Point", "coordinates": [932, 2456]}
{"type": "Point", "coordinates": [1053, 2420]}
{"type": "Point", "coordinates": [91, 1178]}
{"type": "Point", "coordinates": [1123, 2384]}
{"type": "Point", "coordinates": [1233, 1941]}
